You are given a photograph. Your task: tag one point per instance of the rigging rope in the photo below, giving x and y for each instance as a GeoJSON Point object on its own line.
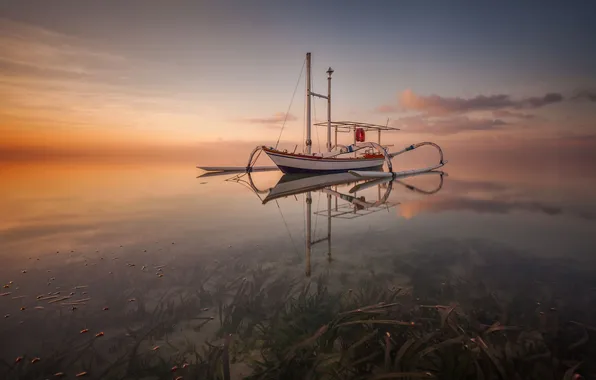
{"type": "Point", "coordinates": [290, 106]}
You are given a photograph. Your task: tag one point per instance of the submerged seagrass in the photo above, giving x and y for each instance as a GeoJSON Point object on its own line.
{"type": "Point", "coordinates": [233, 318]}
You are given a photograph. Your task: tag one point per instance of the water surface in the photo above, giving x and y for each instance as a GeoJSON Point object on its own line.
{"type": "Point", "coordinates": [118, 240]}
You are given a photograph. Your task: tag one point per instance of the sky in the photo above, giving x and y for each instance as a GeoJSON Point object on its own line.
{"type": "Point", "coordinates": [155, 78]}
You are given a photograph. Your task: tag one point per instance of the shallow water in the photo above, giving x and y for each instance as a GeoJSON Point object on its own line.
{"type": "Point", "coordinates": [121, 238]}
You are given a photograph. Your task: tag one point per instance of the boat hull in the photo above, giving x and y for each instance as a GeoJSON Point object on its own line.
{"type": "Point", "coordinates": [291, 163]}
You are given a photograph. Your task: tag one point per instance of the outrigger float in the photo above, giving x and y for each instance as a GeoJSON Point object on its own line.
{"type": "Point", "coordinates": [363, 159]}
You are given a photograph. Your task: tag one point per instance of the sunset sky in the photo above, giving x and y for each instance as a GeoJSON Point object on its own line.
{"type": "Point", "coordinates": [98, 77]}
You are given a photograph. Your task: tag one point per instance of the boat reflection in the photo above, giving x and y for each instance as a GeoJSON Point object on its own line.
{"type": "Point", "coordinates": [340, 204]}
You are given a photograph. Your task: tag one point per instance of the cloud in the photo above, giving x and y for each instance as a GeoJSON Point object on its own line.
{"type": "Point", "coordinates": [386, 108]}
{"type": "Point", "coordinates": [54, 86]}
{"type": "Point", "coordinates": [513, 115]}
{"type": "Point", "coordinates": [28, 46]}
{"type": "Point", "coordinates": [46, 102]}
{"type": "Point", "coordinates": [536, 102]}
{"type": "Point", "coordinates": [277, 118]}
{"type": "Point", "coordinates": [435, 104]}
{"type": "Point", "coordinates": [447, 126]}
{"type": "Point", "coordinates": [439, 105]}
{"type": "Point", "coordinates": [589, 95]}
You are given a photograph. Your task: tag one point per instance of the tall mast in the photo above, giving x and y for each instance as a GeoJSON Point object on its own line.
{"type": "Point", "coordinates": [308, 140]}
{"type": "Point", "coordinates": [329, 226]}
{"type": "Point", "coordinates": [308, 232]}
{"type": "Point", "coordinates": [329, 72]}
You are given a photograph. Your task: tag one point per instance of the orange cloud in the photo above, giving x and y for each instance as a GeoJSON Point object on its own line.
{"type": "Point", "coordinates": [386, 108]}
{"type": "Point", "coordinates": [447, 126]}
{"type": "Point", "coordinates": [277, 118]}
{"type": "Point", "coordinates": [35, 47]}
{"type": "Point", "coordinates": [438, 105]}
{"type": "Point", "coordinates": [58, 91]}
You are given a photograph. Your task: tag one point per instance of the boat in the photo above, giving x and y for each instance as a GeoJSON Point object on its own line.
{"type": "Point", "coordinates": [362, 158]}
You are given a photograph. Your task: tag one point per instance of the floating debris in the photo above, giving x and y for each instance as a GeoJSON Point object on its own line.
{"type": "Point", "coordinates": [35, 360]}
{"type": "Point", "coordinates": [132, 300]}
{"type": "Point", "coordinates": [205, 309]}
{"type": "Point", "coordinates": [83, 331]}
{"type": "Point", "coordinates": [45, 298]}
{"type": "Point", "coordinates": [5, 294]}
{"type": "Point", "coordinates": [75, 302]}
{"type": "Point", "coordinates": [59, 374]}
{"type": "Point", "coordinates": [39, 308]}
{"type": "Point", "coordinates": [59, 299]}
{"type": "Point", "coordinates": [99, 334]}
{"type": "Point", "coordinates": [18, 297]}
{"type": "Point", "coordinates": [81, 374]}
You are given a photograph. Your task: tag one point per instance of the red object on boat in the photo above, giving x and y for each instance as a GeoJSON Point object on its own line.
{"type": "Point", "coordinates": [360, 136]}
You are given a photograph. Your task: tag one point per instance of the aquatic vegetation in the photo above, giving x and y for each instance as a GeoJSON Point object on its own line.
{"type": "Point", "coordinates": [494, 320]}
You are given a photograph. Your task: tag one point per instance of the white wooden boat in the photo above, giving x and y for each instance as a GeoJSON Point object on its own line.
{"type": "Point", "coordinates": [299, 163]}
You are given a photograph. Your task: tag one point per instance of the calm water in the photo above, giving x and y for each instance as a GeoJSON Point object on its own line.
{"type": "Point", "coordinates": [116, 240]}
